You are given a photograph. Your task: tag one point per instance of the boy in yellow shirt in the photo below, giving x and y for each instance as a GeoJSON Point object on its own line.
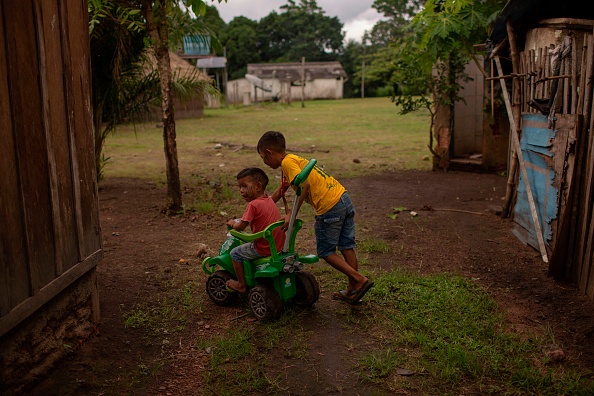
{"type": "Point", "coordinates": [335, 224]}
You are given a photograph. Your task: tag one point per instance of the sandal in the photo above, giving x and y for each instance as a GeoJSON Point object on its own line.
{"type": "Point", "coordinates": [358, 294]}
{"type": "Point", "coordinates": [343, 295]}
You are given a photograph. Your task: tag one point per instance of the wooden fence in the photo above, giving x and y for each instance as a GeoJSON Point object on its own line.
{"type": "Point", "coordinates": [556, 81]}
{"type": "Point", "coordinates": [50, 232]}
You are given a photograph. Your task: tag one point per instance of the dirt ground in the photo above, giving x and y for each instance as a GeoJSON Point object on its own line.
{"type": "Point", "coordinates": [461, 235]}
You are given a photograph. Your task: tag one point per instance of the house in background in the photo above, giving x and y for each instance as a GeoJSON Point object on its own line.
{"type": "Point", "coordinates": [473, 134]}
{"type": "Point", "coordinates": [187, 108]}
{"type": "Point", "coordinates": [322, 80]}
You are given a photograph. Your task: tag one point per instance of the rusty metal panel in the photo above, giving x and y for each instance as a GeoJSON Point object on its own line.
{"type": "Point", "coordinates": [545, 152]}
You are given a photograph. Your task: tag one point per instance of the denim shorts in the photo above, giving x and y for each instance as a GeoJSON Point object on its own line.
{"type": "Point", "coordinates": [245, 251]}
{"type": "Point", "coordinates": [336, 228]}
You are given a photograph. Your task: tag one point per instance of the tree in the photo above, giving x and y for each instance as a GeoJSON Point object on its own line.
{"type": "Point", "coordinates": [117, 46]}
{"type": "Point", "coordinates": [302, 30]}
{"type": "Point", "coordinates": [240, 39]}
{"type": "Point", "coordinates": [351, 61]}
{"type": "Point", "coordinates": [156, 14]}
{"type": "Point", "coordinates": [443, 33]}
{"type": "Point", "coordinates": [124, 86]}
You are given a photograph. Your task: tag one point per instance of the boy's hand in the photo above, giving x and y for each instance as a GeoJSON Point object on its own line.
{"type": "Point", "coordinates": [287, 220]}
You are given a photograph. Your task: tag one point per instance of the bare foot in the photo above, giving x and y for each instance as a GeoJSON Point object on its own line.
{"type": "Point", "coordinates": [235, 285]}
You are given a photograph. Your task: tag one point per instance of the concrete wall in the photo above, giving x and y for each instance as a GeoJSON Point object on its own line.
{"type": "Point", "coordinates": [238, 90]}
{"type": "Point", "coordinates": [468, 117]}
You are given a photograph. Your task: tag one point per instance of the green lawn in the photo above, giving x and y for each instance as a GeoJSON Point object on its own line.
{"type": "Point", "coordinates": [369, 130]}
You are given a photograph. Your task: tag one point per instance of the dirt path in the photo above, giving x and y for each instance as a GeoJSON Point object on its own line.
{"type": "Point", "coordinates": [460, 235]}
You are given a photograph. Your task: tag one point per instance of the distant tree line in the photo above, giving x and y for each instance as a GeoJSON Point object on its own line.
{"type": "Point", "coordinates": [300, 29]}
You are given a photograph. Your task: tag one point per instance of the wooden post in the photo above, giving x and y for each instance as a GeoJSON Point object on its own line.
{"type": "Point", "coordinates": [516, 143]}
{"type": "Point", "coordinates": [512, 166]}
{"type": "Point", "coordinates": [303, 81]}
{"type": "Point", "coordinates": [225, 78]}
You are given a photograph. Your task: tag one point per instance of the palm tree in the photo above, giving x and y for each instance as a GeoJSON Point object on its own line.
{"type": "Point", "coordinates": [126, 85]}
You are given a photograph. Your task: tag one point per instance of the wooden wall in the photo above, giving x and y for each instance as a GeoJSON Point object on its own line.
{"type": "Point", "coordinates": [569, 91]}
{"type": "Point", "coordinates": [50, 232]}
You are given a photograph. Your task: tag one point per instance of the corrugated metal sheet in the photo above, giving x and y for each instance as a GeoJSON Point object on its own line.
{"type": "Point", "coordinates": [536, 147]}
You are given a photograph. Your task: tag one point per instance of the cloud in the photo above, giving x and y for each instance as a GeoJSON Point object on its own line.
{"type": "Point", "coordinates": [357, 26]}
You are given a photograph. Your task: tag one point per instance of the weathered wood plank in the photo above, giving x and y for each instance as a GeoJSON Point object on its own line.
{"type": "Point", "coordinates": [584, 266]}
{"type": "Point", "coordinates": [30, 142]}
{"type": "Point", "coordinates": [14, 282]}
{"type": "Point", "coordinates": [587, 258]}
{"type": "Point", "coordinates": [76, 61]}
{"type": "Point", "coordinates": [26, 308]}
{"type": "Point", "coordinates": [56, 132]}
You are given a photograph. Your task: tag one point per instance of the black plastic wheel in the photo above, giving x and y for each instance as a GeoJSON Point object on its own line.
{"type": "Point", "coordinates": [308, 289]}
{"type": "Point", "coordinates": [216, 289]}
{"type": "Point", "coordinates": [265, 302]}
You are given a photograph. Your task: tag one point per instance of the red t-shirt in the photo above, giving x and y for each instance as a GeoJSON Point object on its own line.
{"type": "Point", "coordinates": [260, 213]}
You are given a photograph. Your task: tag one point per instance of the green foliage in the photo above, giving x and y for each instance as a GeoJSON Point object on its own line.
{"type": "Point", "coordinates": [242, 45]}
{"type": "Point", "coordinates": [126, 86]}
{"type": "Point", "coordinates": [299, 30]}
{"type": "Point", "coordinates": [440, 38]}
{"type": "Point", "coordinates": [102, 163]}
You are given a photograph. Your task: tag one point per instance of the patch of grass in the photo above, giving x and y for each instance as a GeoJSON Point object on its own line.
{"type": "Point", "coordinates": [240, 358]}
{"type": "Point", "coordinates": [457, 336]}
{"type": "Point", "coordinates": [373, 245]}
{"type": "Point", "coordinates": [386, 140]}
{"type": "Point", "coordinates": [380, 363]}
{"type": "Point", "coordinates": [235, 345]}
{"type": "Point", "coordinates": [167, 316]}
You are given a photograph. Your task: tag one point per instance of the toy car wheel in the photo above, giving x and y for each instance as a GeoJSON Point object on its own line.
{"type": "Point", "coordinates": [308, 289]}
{"type": "Point", "coordinates": [265, 302]}
{"type": "Point", "coordinates": [217, 289]}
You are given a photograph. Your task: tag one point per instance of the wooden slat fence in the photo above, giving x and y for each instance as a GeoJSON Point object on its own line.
{"type": "Point", "coordinates": [573, 243]}
{"type": "Point", "coordinates": [50, 232]}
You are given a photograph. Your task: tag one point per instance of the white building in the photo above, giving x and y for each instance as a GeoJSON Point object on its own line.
{"type": "Point", "coordinates": [323, 80]}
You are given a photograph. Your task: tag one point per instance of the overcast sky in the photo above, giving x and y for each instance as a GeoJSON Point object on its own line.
{"type": "Point", "coordinates": [356, 15]}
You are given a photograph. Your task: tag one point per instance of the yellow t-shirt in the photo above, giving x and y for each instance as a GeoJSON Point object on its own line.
{"type": "Point", "coordinates": [324, 190]}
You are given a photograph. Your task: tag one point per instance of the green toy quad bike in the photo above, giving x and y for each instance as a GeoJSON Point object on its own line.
{"type": "Point", "coordinates": [272, 281]}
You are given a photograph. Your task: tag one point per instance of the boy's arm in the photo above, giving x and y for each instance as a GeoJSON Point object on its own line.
{"type": "Point", "coordinates": [276, 195]}
{"type": "Point", "coordinates": [238, 225]}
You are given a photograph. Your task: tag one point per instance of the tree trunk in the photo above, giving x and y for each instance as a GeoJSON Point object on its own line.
{"type": "Point", "coordinates": [157, 29]}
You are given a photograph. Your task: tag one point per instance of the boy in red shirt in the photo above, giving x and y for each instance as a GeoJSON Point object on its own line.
{"type": "Point", "coordinates": [259, 214]}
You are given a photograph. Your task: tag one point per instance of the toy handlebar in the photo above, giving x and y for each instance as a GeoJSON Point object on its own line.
{"type": "Point", "coordinates": [297, 182]}
{"type": "Point", "coordinates": [302, 176]}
